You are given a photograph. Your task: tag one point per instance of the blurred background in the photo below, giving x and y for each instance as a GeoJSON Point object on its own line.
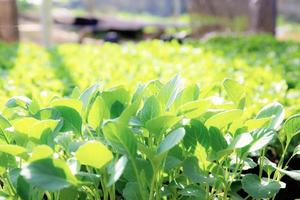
{"type": "Point", "coordinates": [94, 21]}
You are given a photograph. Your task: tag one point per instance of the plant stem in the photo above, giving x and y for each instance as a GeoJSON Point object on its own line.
{"type": "Point", "coordinates": [280, 163]}
{"type": "Point", "coordinates": [138, 179]}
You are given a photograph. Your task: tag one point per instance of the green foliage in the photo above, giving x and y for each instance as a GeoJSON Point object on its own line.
{"type": "Point", "coordinates": [88, 146]}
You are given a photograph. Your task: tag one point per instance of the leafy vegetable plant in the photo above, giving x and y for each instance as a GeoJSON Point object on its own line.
{"type": "Point", "coordinates": [164, 141]}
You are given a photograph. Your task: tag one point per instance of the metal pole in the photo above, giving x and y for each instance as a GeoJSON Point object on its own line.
{"type": "Point", "coordinates": [46, 22]}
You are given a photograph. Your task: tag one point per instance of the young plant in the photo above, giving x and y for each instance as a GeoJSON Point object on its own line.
{"type": "Point", "coordinates": [165, 141]}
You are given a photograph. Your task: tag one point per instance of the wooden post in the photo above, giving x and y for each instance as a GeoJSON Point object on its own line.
{"type": "Point", "coordinates": [46, 22]}
{"type": "Point", "coordinates": [263, 16]}
{"type": "Point", "coordinates": [8, 21]}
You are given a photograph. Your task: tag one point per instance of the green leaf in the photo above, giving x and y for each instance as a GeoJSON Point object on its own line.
{"type": "Point", "coordinates": [188, 94]}
{"type": "Point", "coordinates": [171, 140]}
{"type": "Point", "coordinates": [24, 190]}
{"type": "Point", "coordinates": [168, 92]}
{"type": "Point", "coordinates": [71, 119]}
{"type": "Point", "coordinates": [192, 171]}
{"type": "Point", "coordinates": [72, 103]}
{"type": "Point", "coordinates": [294, 174]}
{"type": "Point", "coordinates": [196, 132]}
{"type": "Point", "coordinates": [94, 153]}
{"type": "Point", "coordinates": [150, 110]}
{"type": "Point", "coordinates": [193, 191]}
{"type": "Point", "coordinates": [253, 124]}
{"type": "Point", "coordinates": [241, 140]}
{"type": "Point", "coordinates": [116, 100]}
{"type": "Point", "coordinates": [116, 170]}
{"type": "Point", "coordinates": [222, 119]}
{"type": "Point", "coordinates": [11, 149]}
{"type": "Point", "coordinates": [97, 113]}
{"type": "Point", "coordinates": [260, 189]}
{"type": "Point", "coordinates": [120, 137]}
{"type": "Point", "coordinates": [4, 124]}
{"type": "Point", "coordinates": [43, 127]}
{"type": "Point", "coordinates": [160, 124]}
{"type": "Point", "coordinates": [275, 111]}
{"type": "Point", "coordinates": [261, 138]}
{"type": "Point", "coordinates": [217, 140]}
{"type": "Point", "coordinates": [69, 193]}
{"type": "Point", "coordinates": [234, 90]}
{"type": "Point", "coordinates": [291, 127]}
{"type": "Point", "coordinates": [20, 101]}
{"type": "Point", "coordinates": [131, 191]}
{"type": "Point", "coordinates": [88, 95]}
{"type": "Point", "coordinates": [48, 174]}
{"type": "Point", "coordinates": [40, 152]}
{"type": "Point", "coordinates": [297, 150]}
{"type": "Point", "coordinates": [268, 166]}
{"type": "Point", "coordinates": [194, 109]}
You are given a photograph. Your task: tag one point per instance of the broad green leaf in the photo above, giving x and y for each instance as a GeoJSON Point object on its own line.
{"type": "Point", "coordinates": [195, 133]}
{"type": "Point", "coordinates": [168, 92]}
{"type": "Point", "coordinates": [94, 154]}
{"type": "Point", "coordinates": [33, 128]}
{"type": "Point", "coordinates": [121, 138]}
{"type": "Point", "coordinates": [171, 140]}
{"type": "Point", "coordinates": [194, 191]}
{"type": "Point", "coordinates": [4, 124]}
{"type": "Point", "coordinates": [241, 140]}
{"type": "Point", "coordinates": [87, 96]}
{"type": "Point", "coordinates": [222, 119]}
{"type": "Point", "coordinates": [188, 94]}
{"type": "Point", "coordinates": [116, 170]}
{"type": "Point", "coordinates": [268, 165]}
{"type": "Point", "coordinates": [72, 103]}
{"type": "Point", "coordinates": [294, 174]}
{"type": "Point", "coordinates": [16, 101]}
{"type": "Point", "coordinates": [75, 93]}
{"type": "Point", "coordinates": [24, 190]}
{"type": "Point", "coordinates": [297, 150]}
{"type": "Point", "coordinates": [291, 127]}
{"type": "Point", "coordinates": [160, 124]}
{"type": "Point", "coordinates": [275, 111]}
{"type": "Point", "coordinates": [48, 174]}
{"type": "Point", "coordinates": [41, 128]}
{"type": "Point", "coordinates": [194, 109]}
{"type": "Point", "coordinates": [261, 138]}
{"type": "Point", "coordinates": [97, 113]}
{"type": "Point", "coordinates": [217, 140]}
{"type": "Point", "coordinates": [11, 149]}
{"type": "Point", "coordinates": [171, 162]}
{"type": "Point", "coordinates": [23, 125]}
{"type": "Point", "coordinates": [128, 113]}
{"type": "Point", "coordinates": [234, 90]}
{"type": "Point", "coordinates": [47, 113]}
{"type": "Point", "coordinates": [150, 110]}
{"type": "Point", "coordinates": [257, 123]}
{"type": "Point", "coordinates": [116, 100]}
{"type": "Point", "coordinates": [131, 191]}
{"type": "Point", "coordinates": [260, 189]}
{"type": "Point", "coordinates": [192, 171]}
{"type": "Point", "coordinates": [71, 119]}
{"type": "Point", "coordinates": [40, 152]}
{"type": "Point", "coordinates": [69, 193]}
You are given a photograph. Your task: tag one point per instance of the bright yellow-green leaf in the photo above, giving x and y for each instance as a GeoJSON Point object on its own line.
{"type": "Point", "coordinates": [222, 119]}
{"type": "Point", "coordinates": [12, 149]}
{"type": "Point", "coordinates": [40, 152]}
{"type": "Point", "coordinates": [256, 123]}
{"type": "Point", "coordinates": [94, 154]}
{"type": "Point", "coordinates": [73, 103]}
{"type": "Point", "coordinates": [97, 112]}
